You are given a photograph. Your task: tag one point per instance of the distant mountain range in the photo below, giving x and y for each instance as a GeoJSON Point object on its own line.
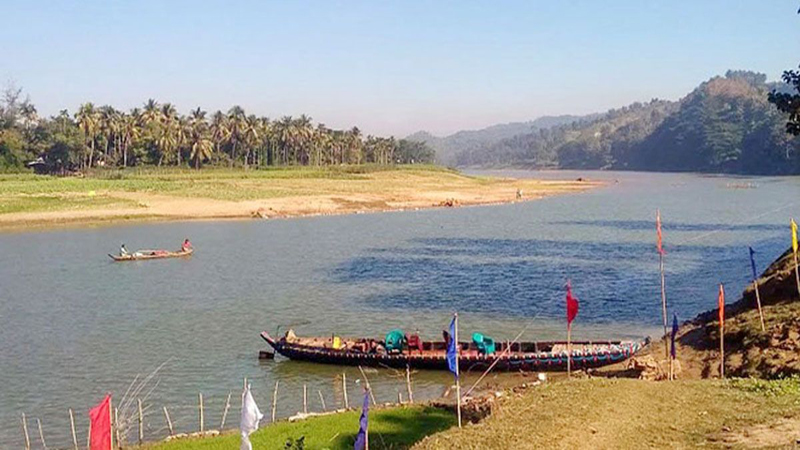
{"type": "Point", "coordinates": [448, 147]}
{"type": "Point", "coordinates": [724, 125]}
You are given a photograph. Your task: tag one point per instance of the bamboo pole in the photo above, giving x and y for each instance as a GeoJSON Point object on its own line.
{"type": "Point", "coordinates": [369, 388]}
{"type": "Point", "coordinates": [569, 349]}
{"type": "Point", "coordinates": [141, 420]}
{"type": "Point", "coordinates": [115, 424]}
{"type": "Point", "coordinates": [722, 349]}
{"type": "Point", "coordinates": [663, 301]}
{"type": "Point", "coordinates": [758, 301]}
{"type": "Point", "coordinates": [25, 430]}
{"type": "Point", "coordinates": [72, 427]}
{"type": "Point", "coordinates": [344, 390]}
{"type": "Point", "coordinates": [89, 436]}
{"type": "Point", "coordinates": [41, 433]}
{"type": "Point", "coordinates": [322, 400]}
{"type": "Point", "coordinates": [169, 422]}
{"type": "Point", "coordinates": [399, 398]}
{"type": "Point", "coordinates": [202, 419]}
{"type": "Point", "coordinates": [225, 412]}
{"type": "Point", "coordinates": [408, 384]}
{"type": "Point", "coordinates": [305, 399]}
{"type": "Point", "coordinates": [796, 273]}
{"type": "Point", "coordinates": [274, 401]}
{"type": "Point", "coordinates": [458, 378]}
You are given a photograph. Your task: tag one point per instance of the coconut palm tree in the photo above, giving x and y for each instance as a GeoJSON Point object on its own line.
{"type": "Point", "coordinates": [201, 146]}
{"type": "Point", "coordinates": [88, 123]}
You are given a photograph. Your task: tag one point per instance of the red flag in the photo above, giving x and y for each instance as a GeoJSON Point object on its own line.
{"type": "Point", "coordinates": [721, 305]}
{"type": "Point", "coordinates": [100, 423]}
{"type": "Point", "coordinates": [572, 304]}
{"type": "Point", "coordinates": [658, 232]}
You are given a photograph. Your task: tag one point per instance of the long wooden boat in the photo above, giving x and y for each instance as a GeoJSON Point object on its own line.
{"type": "Point", "coordinates": [151, 254]}
{"type": "Point", "coordinates": [545, 356]}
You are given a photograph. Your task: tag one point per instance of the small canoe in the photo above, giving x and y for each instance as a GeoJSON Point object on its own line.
{"type": "Point", "coordinates": [544, 356]}
{"type": "Point", "coordinates": [151, 254]}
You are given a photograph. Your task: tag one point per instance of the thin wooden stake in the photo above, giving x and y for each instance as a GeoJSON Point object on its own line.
{"type": "Point", "coordinates": [202, 421]}
{"type": "Point", "coordinates": [796, 273]}
{"type": "Point", "coordinates": [89, 436]}
{"type": "Point", "coordinates": [322, 400]}
{"type": "Point", "coordinates": [305, 399]}
{"type": "Point", "coordinates": [141, 420]}
{"type": "Point", "coordinates": [458, 379]}
{"type": "Point", "coordinates": [72, 427]}
{"type": "Point", "coordinates": [399, 398]}
{"type": "Point", "coordinates": [41, 433]}
{"type": "Point", "coordinates": [116, 429]}
{"type": "Point", "coordinates": [758, 300]}
{"type": "Point", "coordinates": [569, 349]}
{"type": "Point", "coordinates": [663, 301]}
{"type": "Point", "coordinates": [344, 390]}
{"type": "Point", "coordinates": [369, 388]}
{"type": "Point", "coordinates": [225, 412]}
{"type": "Point", "coordinates": [408, 384]}
{"type": "Point", "coordinates": [169, 422]}
{"type": "Point", "coordinates": [274, 401]}
{"type": "Point", "coordinates": [25, 430]}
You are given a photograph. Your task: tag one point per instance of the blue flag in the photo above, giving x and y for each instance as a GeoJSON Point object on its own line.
{"type": "Point", "coordinates": [452, 356]}
{"type": "Point", "coordinates": [753, 263]}
{"type": "Point", "coordinates": [674, 333]}
{"type": "Point", "coordinates": [361, 437]}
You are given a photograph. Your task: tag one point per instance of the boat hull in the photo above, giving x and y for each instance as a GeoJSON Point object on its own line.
{"type": "Point", "coordinates": [131, 257]}
{"type": "Point", "coordinates": [582, 357]}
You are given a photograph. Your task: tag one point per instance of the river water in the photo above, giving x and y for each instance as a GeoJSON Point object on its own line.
{"type": "Point", "coordinates": [74, 325]}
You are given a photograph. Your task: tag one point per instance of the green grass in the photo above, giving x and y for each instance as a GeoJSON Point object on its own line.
{"type": "Point", "coordinates": [54, 202]}
{"type": "Point", "coordinates": [394, 428]}
{"type": "Point", "coordinates": [215, 183]}
{"type": "Point", "coordinates": [625, 413]}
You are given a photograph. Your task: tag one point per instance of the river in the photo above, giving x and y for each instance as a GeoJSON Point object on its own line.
{"type": "Point", "coordinates": [74, 325]}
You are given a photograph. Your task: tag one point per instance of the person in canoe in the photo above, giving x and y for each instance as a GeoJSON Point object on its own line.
{"type": "Point", "coordinates": [186, 245]}
{"type": "Point", "coordinates": [123, 251]}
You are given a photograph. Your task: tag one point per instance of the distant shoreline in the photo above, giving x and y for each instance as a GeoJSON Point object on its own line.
{"type": "Point", "coordinates": [231, 195]}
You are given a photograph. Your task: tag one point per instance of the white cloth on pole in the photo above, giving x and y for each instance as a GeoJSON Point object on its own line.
{"type": "Point", "coordinates": [250, 418]}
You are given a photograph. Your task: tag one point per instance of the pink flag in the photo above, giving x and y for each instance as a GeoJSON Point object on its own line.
{"type": "Point", "coordinates": [100, 423]}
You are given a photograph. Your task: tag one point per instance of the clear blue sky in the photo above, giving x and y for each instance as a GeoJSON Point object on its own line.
{"type": "Point", "coordinates": [390, 67]}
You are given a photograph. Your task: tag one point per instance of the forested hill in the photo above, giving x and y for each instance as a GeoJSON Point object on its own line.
{"type": "Point", "coordinates": [724, 125]}
{"type": "Point", "coordinates": [448, 147]}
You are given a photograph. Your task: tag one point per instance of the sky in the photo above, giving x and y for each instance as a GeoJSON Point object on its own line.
{"type": "Point", "coordinates": [388, 67]}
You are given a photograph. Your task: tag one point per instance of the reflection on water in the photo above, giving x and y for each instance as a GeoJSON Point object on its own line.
{"type": "Point", "coordinates": [73, 325]}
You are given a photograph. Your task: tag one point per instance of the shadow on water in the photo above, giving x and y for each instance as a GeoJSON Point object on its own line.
{"type": "Point", "coordinates": [616, 281]}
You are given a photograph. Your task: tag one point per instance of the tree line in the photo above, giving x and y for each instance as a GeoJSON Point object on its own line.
{"type": "Point", "coordinates": [156, 134]}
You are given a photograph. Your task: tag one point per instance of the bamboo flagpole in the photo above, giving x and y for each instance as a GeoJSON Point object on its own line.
{"type": "Point", "coordinates": [794, 251]}
{"type": "Point", "coordinates": [660, 248]}
{"type": "Point", "coordinates": [458, 378]}
{"type": "Point", "coordinates": [755, 287]}
{"type": "Point", "coordinates": [572, 312]}
{"type": "Point", "coordinates": [721, 302]}
{"type": "Point", "coordinates": [452, 361]}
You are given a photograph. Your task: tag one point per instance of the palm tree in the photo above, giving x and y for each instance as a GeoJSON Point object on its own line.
{"type": "Point", "coordinates": [200, 142]}
{"type": "Point", "coordinates": [88, 123]}
{"type": "Point", "coordinates": [219, 130]}
{"type": "Point", "coordinates": [235, 124]}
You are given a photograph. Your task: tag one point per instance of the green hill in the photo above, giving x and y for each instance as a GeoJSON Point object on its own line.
{"type": "Point", "coordinates": [724, 125]}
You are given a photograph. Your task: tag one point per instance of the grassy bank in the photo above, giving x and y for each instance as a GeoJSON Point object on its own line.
{"type": "Point", "coordinates": [394, 428]}
{"type": "Point", "coordinates": [626, 413]}
{"type": "Point", "coordinates": [181, 194]}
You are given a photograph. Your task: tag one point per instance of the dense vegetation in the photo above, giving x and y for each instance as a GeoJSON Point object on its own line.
{"type": "Point", "coordinates": [725, 125]}
{"type": "Point", "coordinates": [157, 135]}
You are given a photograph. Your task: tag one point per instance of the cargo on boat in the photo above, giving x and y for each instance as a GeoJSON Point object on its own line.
{"type": "Point", "coordinates": [544, 356]}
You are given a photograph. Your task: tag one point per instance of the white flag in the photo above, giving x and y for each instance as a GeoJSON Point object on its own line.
{"type": "Point", "coordinates": [250, 417]}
